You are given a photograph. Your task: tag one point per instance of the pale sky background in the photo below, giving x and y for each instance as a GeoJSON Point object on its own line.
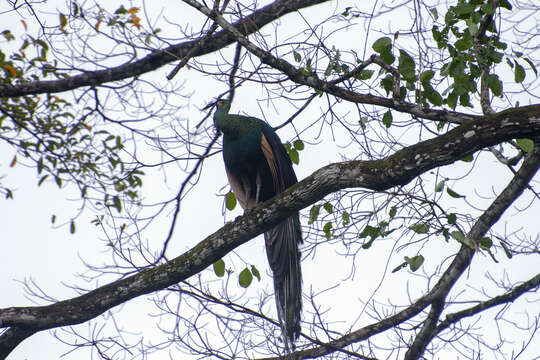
{"type": "Point", "coordinates": [34, 250]}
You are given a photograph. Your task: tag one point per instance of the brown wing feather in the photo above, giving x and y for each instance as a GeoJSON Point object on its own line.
{"type": "Point", "coordinates": [240, 189]}
{"type": "Point", "coordinates": [271, 160]}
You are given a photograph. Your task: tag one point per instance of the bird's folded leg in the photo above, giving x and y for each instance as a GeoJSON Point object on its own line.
{"type": "Point", "coordinates": [258, 182]}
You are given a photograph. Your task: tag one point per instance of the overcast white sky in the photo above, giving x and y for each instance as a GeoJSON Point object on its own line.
{"type": "Point", "coordinates": [34, 250]}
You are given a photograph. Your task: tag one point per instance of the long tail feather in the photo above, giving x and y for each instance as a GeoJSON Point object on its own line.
{"type": "Point", "coordinates": [282, 244]}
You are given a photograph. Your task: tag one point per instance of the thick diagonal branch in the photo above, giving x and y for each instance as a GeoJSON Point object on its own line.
{"type": "Point", "coordinates": [397, 169]}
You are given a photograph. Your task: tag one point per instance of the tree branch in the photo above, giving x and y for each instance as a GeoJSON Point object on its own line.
{"type": "Point", "coordinates": [510, 296]}
{"type": "Point", "coordinates": [488, 218]}
{"type": "Point", "coordinates": [248, 25]}
{"type": "Point", "coordinates": [330, 87]}
{"type": "Point", "coordinates": [11, 338]}
{"type": "Point", "coordinates": [397, 169]}
{"type": "Point", "coordinates": [436, 296]}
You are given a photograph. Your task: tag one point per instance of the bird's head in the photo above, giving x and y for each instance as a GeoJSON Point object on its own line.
{"type": "Point", "coordinates": [223, 106]}
{"type": "Point", "coordinates": [221, 116]}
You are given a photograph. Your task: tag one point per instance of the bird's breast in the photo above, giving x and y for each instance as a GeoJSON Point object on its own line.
{"type": "Point", "coordinates": [242, 152]}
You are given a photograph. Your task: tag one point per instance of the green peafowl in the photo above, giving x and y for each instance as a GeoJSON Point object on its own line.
{"type": "Point", "coordinates": [258, 168]}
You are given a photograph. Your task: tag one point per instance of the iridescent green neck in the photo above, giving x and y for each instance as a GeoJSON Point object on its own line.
{"type": "Point", "coordinates": [221, 116]}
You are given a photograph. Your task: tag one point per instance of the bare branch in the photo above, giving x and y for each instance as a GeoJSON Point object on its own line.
{"type": "Point", "coordinates": [159, 58]}
{"type": "Point", "coordinates": [514, 189]}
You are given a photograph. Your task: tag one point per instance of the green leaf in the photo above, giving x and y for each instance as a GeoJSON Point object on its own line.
{"type": "Point", "coordinates": [446, 234]}
{"type": "Point", "coordinates": [456, 69]}
{"type": "Point", "coordinates": [465, 43]}
{"type": "Point", "coordinates": [440, 186]}
{"type": "Point", "coordinates": [426, 76]}
{"type": "Point", "coordinates": [451, 100]}
{"type": "Point", "coordinates": [121, 10]}
{"type": "Point", "coordinates": [494, 84]}
{"type": "Point", "coordinates": [532, 66]}
{"type": "Point", "coordinates": [58, 181]}
{"type": "Point", "coordinates": [388, 57]}
{"type": "Point", "coordinates": [327, 229]}
{"type": "Point", "coordinates": [369, 231]}
{"type": "Point", "coordinates": [297, 56]}
{"type": "Point", "coordinates": [255, 272]}
{"type": "Point", "coordinates": [464, 100]}
{"type": "Point", "coordinates": [328, 207]}
{"type": "Point", "coordinates": [245, 278]}
{"type": "Point", "coordinates": [415, 262]}
{"type": "Point", "coordinates": [364, 74]}
{"type": "Point", "coordinates": [505, 4]}
{"type": "Point", "coordinates": [526, 145]}
{"type": "Point", "coordinates": [487, 8]}
{"type": "Point", "coordinates": [506, 250]}
{"type": "Point", "coordinates": [485, 243]}
{"type": "Point", "coordinates": [230, 200]}
{"type": "Point", "coordinates": [400, 266]}
{"type": "Point", "coordinates": [392, 212]}
{"type": "Point", "coordinates": [43, 178]}
{"type": "Point", "coordinates": [346, 12]}
{"type": "Point", "coordinates": [387, 83]}
{"type": "Point", "coordinates": [117, 203]}
{"type": "Point", "coordinates": [313, 214]}
{"type": "Point", "coordinates": [298, 145]}
{"type": "Point", "coordinates": [420, 228]}
{"type": "Point", "coordinates": [458, 235]}
{"type": "Point", "coordinates": [454, 194]}
{"type": "Point", "coordinates": [434, 13]}
{"type": "Point", "coordinates": [293, 154]}
{"type": "Point", "coordinates": [451, 218]}
{"type": "Point", "coordinates": [372, 232]}
{"type": "Point", "coordinates": [406, 66]}
{"type": "Point", "coordinates": [287, 146]}
{"type": "Point", "coordinates": [72, 227]}
{"type": "Point", "coordinates": [472, 26]}
{"type": "Point", "coordinates": [519, 73]}
{"type": "Point", "coordinates": [368, 244]}
{"type": "Point", "coordinates": [387, 119]}
{"type": "Point", "coordinates": [345, 217]}
{"type": "Point", "coordinates": [492, 256]}
{"type": "Point", "coordinates": [219, 268]}
{"type": "Point", "coordinates": [463, 9]}
{"type": "Point", "coordinates": [382, 45]}
{"type": "Point", "coordinates": [433, 96]}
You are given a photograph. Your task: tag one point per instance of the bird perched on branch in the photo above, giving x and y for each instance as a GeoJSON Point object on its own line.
{"type": "Point", "coordinates": [258, 168]}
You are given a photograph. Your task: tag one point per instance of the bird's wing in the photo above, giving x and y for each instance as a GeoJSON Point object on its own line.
{"type": "Point", "coordinates": [278, 160]}
{"type": "Point", "coordinates": [271, 160]}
